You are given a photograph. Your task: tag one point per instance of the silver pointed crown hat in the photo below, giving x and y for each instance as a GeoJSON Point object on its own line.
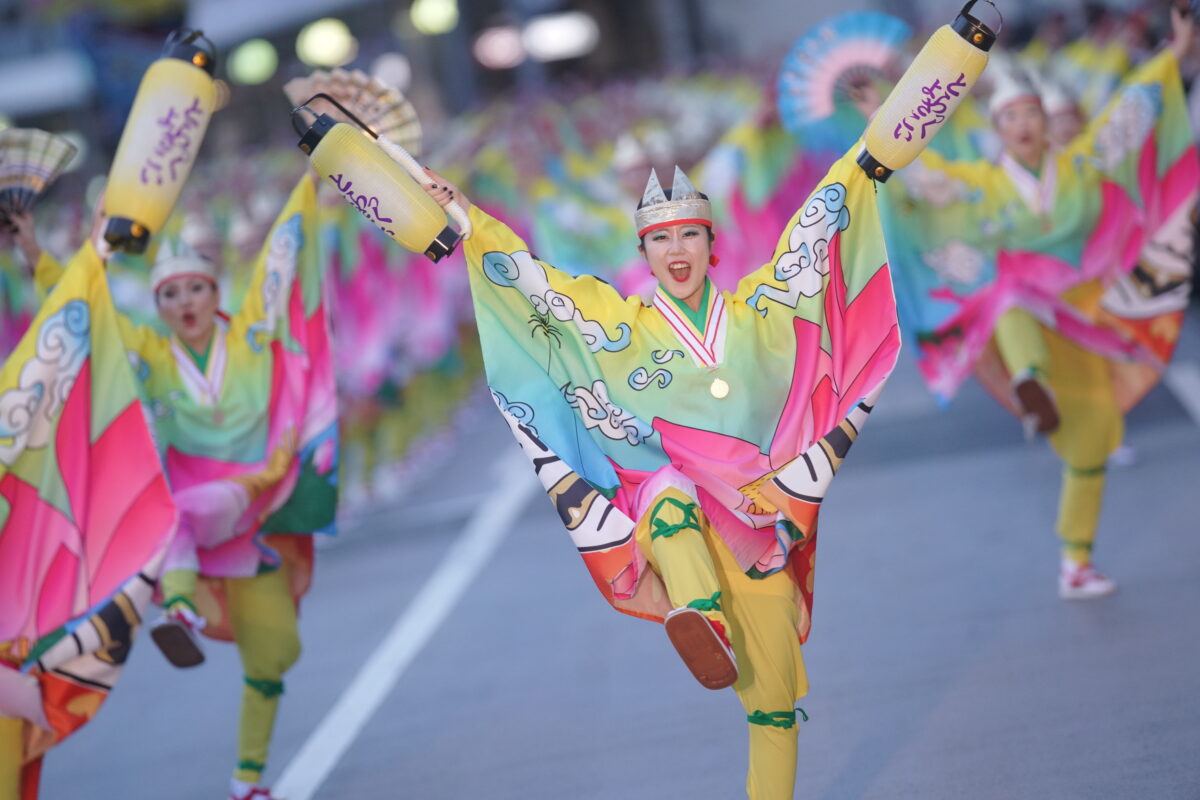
{"type": "Point", "coordinates": [177, 259]}
{"type": "Point", "coordinates": [1056, 97]}
{"type": "Point", "coordinates": [686, 204]}
{"type": "Point", "coordinates": [1009, 85]}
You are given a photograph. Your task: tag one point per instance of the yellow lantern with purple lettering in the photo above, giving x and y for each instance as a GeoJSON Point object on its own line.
{"type": "Point", "coordinates": [382, 181]}
{"type": "Point", "coordinates": [161, 138]}
{"type": "Point", "coordinates": [933, 86]}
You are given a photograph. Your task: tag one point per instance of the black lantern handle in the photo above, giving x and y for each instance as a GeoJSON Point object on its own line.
{"type": "Point", "coordinates": [340, 107]}
{"type": "Point", "coordinates": [966, 11]}
{"type": "Point", "coordinates": [181, 44]}
{"type": "Point", "coordinates": [295, 115]}
{"type": "Point", "coordinates": [188, 36]}
{"type": "Point", "coordinates": [974, 31]}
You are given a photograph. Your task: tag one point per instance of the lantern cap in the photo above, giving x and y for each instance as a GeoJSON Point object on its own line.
{"type": "Point", "coordinates": [182, 44]}
{"type": "Point", "coordinates": [443, 245]}
{"type": "Point", "coordinates": [126, 235]}
{"type": "Point", "coordinates": [310, 138]}
{"type": "Point", "coordinates": [874, 169]}
{"type": "Point", "coordinates": [972, 30]}
{"type": "Point", "coordinates": [322, 123]}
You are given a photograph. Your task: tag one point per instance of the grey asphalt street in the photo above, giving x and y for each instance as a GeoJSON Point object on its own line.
{"type": "Point", "coordinates": [942, 663]}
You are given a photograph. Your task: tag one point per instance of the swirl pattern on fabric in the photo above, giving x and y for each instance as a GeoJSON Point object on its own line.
{"type": "Point", "coordinates": [803, 268]}
{"type": "Point", "coordinates": [522, 272]}
{"type": "Point", "coordinates": [521, 412]}
{"type": "Point", "coordinates": [597, 411]}
{"type": "Point", "coordinates": [28, 409]}
{"type": "Point", "coordinates": [640, 379]}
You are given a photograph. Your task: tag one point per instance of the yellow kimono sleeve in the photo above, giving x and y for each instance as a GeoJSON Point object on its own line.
{"type": "Point", "coordinates": [46, 274]}
{"type": "Point", "coordinates": [502, 259]}
{"type": "Point", "coordinates": [145, 342]}
{"type": "Point", "coordinates": [972, 173]}
{"type": "Point", "coordinates": [1149, 103]}
{"type": "Point", "coordinates": [289, 254]}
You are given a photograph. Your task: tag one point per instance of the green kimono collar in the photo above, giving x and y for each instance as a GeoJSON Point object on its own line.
{"type": "Point", "coordinates": [699, 316]}
{"type": "Point", "coordinates": [200, 359]}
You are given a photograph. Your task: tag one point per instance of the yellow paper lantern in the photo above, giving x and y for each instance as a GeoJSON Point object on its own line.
{"type": "Point", "coordinates": [161, 138]}
{"type": "Point", "coordinates": [933, 86]}
{"type": "Point", "coordinates": [380, 179]}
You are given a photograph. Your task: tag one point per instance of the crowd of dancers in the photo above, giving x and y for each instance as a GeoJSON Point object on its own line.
{"type": "Point", "coordinates": [176, 427]}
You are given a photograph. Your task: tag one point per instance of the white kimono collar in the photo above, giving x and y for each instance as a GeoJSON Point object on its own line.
{"type": "Point", "coordinates": [707, 347]}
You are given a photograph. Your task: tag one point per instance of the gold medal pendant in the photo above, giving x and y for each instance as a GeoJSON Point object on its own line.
{"type": "Point", "coordinates": [719, 389]}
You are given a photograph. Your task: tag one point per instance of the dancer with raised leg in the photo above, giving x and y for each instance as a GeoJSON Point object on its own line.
{"type": "Point", "coordinates": [246, 417]}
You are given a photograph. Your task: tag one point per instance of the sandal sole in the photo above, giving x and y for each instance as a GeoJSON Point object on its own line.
{"type": "Point", "coordinates": [701, 649]}
{"type": "Point", "coordinates": [177, 645]}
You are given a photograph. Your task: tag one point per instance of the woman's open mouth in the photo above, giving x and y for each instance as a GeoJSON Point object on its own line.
{"type": "Point", "coordinates": [680, 271]}
{"type": "Point", "coordinates": [189, 319]}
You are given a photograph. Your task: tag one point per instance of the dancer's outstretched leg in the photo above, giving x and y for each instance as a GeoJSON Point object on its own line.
{"type": "Point", "coordinates": [263, 615]}
{"type": "Point", "coordinates": [208, 515]}
{"type": "Point", "coordinates": [1091, 429]}
{"type": "Point", "coordinates": [1023, 349]}
{"type": "Point", "coordinates": [11, 753]}
{"type": "Point", "coordinates": [670, 533]}
{"type": "Point", "coordinates": [763, 616]}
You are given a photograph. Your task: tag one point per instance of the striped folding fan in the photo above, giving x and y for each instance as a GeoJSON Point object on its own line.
{"type": "Point", "coordinates": [383, 108]}
{"type": "Point", "coordinates": [30, 160]}
{"type": "Point", "coordinates": [823, 63]}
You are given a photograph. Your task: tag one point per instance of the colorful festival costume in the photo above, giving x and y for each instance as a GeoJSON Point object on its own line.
{"type": "Point", "coordinates": [1012, 274]}
{"type": "Point", "coordinates": [251, 450]}
{"type": "Point", "coordinates": [250, 446]}
{"type": "Point", "coordinates": [662, 437]}
{"type": "Point", "coordinates": [81, 539]}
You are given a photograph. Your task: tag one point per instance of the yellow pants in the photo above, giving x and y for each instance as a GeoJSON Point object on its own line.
{"type": "Point", "coordinates": [1091, 424]}
{"type": "Point", "coordinates": [263, 615]}
{"type": "Point", "coordinates": [11, 731]}
{"type": "Point", "coordinates": [760, 617]}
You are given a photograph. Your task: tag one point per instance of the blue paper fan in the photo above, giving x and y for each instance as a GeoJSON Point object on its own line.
{"type": "Point", "coordinates": [815, 72]}
{"type": "Point", "coordinates": [30, 160]}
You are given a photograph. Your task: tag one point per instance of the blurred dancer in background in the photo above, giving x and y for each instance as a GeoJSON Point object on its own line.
{"type": "Point", "coordinates": [246, 417]}
{"type": "Point", "coordinates": [1021, 253]}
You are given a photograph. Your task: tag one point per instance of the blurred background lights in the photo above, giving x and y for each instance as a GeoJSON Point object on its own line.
{"type": "Point", "coordinates": [253, 62]}
{"type": "Point", "coordinates": [393, 69]}
{"type": "Point", "coordinates": [554, 37]}
{"type": "Point", "coordinates": [434, 17]}
{"type": "Point", "coordinates": [499, 47]}
{"type": "Point", "coordinates": [326, 43]}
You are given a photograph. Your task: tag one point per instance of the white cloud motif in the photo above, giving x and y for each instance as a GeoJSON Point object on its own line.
{"type": "Point", "coordinates": [596, 410]}
{"type": "Point", "coordinates": [956, 262]}
{"type": "Point", "coordinates": [806, 263]}
{"type": "Point", "coordinates": [1126, 129]}
{"type": "Point", "coordinates": [280, 266]}
{"type": "Point", "coordinates": [933, 186]}
{"type": "Point", "coordinates": [523, 413]}
{"type": "Point", "coordinates": [522, 272]}
{"type": "Point", "coordinates": [27, 410]}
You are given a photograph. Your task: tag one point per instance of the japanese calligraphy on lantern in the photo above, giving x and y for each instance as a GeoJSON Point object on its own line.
{"type": "Point", "coordinates": [172, 155]}
{"type": "Point", "coordinates": [931, 109]}
{"type": "Point", "coordinates": [367, 205]}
